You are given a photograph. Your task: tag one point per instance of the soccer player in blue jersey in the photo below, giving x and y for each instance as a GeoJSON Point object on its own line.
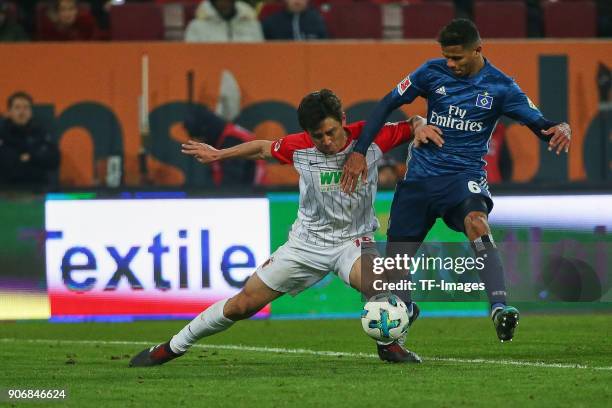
{"type": "Point", "coordinates": [466, 95]}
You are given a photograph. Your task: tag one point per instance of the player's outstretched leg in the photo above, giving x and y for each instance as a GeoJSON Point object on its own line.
{"type": "Point", "coordinates": [505, 318]}
{"type": "Point", "coordinates": [393, 352]}
{"type": "Point", "coordinates": [397, 352]}
{"type": "Point", "coordinates": [402, 246]}
{"type": "Point", "coordinates": [217, 318]}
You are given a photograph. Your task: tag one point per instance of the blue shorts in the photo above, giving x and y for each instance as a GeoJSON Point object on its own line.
{"type": "Point", "coordinates": [418, 203]}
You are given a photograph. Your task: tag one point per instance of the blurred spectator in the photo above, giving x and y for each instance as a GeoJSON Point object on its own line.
{"type": "Point", "coordinates": [604, 83]}
{"type": "Point", "coordinates": [100, 11]}
{"type": "Point", "coordinates": [207, 127]}
{"type": "Point", "coordinates": [224, 21]}
{"type": "Point", "coordinates": [534, 19]}
{"type": "Point", "coordinates": [28, 156]}
{"type": "Point", "coordinates": [297, 22]}
{"type": "Point", "coordinates": [66, 23]}
{"type": "Point", "coordinates": [10, 30]}
{"type": "Point", "coordinates": [604, 17]}
{"type": "Point", "coordinates": [387, 173]}
{"type": "Point", "coordinates": [463, 8]}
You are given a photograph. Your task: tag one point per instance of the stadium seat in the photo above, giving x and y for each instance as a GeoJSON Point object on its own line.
{"type": "Point", "coordinates": [324, 5]}
{"type": "Point", "coordinates": [352, 20]}
{"type": "Point", "coordinates": [424, 20]}
{"type": "Point", "coordinates": [136, 22]}
{"type": "Point", "coordinates": [501, 19]}
{"type": "Point", "coordinates": [569, 19]}
{"type": "Point", "coordinates": [174, 21]}
{"type": "Point", "coordinates": [190, 11]}
{"type": "Point", "coordinates": [318, 3]}
{"type": "Point", "coordinates": [385, 2]}
{"type": "Point", "coordinates": [11, 11]}
{"type": "Point", "coordinates": [347, 19]}
{"type": "Point", "coordinates": [269, 8]}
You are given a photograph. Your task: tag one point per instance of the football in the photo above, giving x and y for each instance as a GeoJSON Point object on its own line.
{"type": "Point", "coordinates": [385, 318]}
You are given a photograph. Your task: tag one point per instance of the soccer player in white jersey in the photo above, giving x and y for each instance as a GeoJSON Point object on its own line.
{"type": "Point", "coordinates": [332, 229]}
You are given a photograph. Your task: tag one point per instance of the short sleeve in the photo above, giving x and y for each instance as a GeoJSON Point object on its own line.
{"type": "Point", "coordinates": [283, 149]}
{"type": "Point", "coordinates": [415, 84]}
{"type": "Point", "coordinates": [519, 107]}
{"type": "Point", "coordinates": [392, 135]}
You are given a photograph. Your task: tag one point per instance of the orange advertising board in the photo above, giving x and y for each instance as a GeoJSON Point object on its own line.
{"type": "Point", "coordinates": [92, 90]}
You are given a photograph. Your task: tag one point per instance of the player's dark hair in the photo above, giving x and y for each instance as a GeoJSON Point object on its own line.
{"type": "Point", "coordinates": [316, 107]}
{"type": "Point", "coordinates": [19, 95]}
{"type": "Point", "coordinates": [460, 31]}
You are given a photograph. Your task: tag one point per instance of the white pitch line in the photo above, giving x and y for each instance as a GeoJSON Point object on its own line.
{"type": "Point", "coordinates": [278, 350]}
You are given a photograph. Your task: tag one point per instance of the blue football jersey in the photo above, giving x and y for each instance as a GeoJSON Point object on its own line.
{"type": "Point", "coordinates": [466, 110]}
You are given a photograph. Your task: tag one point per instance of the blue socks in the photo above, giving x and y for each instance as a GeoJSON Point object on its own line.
{"type": "Point", "coordinates": [492, 275]}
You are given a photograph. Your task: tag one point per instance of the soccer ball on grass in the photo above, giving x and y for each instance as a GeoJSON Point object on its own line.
{"type": "Point", "coordinates": [385, 318]}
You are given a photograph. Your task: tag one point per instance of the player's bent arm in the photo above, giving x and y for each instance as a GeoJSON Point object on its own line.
{"type": "Point", "coordinates": [375, 121]}
{"type": "Point", "coordinates": [204, 153]}
{"type": "Point", "coordinates": [539, 125]}
{"type": "Point", "coordinates": [557, 135]}
{"type": "Point", "coordinates": [519, 107]}
{"type": "Point", "coordinates": [356, 165]}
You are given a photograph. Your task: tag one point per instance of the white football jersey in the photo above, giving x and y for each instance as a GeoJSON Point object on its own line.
{"type": "Point", "coordinates": [326, 215]}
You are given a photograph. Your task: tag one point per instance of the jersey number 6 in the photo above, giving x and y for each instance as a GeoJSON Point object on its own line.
{"type": "Point", "coordinates": [474, 187]}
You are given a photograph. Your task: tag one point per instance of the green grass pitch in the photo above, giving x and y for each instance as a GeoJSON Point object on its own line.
{"type": "Point", "coordinates": [554, 361]}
